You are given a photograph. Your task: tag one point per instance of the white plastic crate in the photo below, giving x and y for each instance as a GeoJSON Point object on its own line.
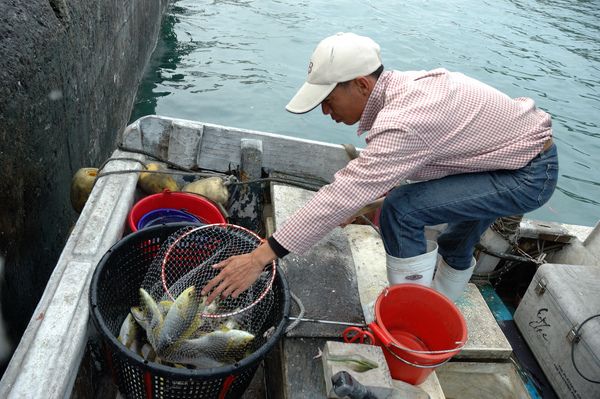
{"type": "Point", "coordinates": [559, 299]}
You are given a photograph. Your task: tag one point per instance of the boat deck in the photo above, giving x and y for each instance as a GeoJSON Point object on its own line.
{"type": "Point", "coordinates": [347, 270]}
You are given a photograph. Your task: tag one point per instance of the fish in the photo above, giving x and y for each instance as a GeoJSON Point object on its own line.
{"type": "Point", "coordinates": [213, 349]}
{"type": "Point", "coordinates": [164, 307]}
{"type": "Point", "coordinates": [231, 324]}
{"type": "Point", "coordinates": [151, 307]}
{"type": "Point", "coordinates": [180, 322]}
{"type": "Point", "coordinates": [229, 344]}
{"type": "Point", "coordinates": [142, 317]}
{"type": "Point", "coordinates": [203, 324]}
{"type": "Point", "coordinates": [149, 315]}
{"type": "Point", "coordinates": [209, 324]}
{"type": "Point", "coordinates": [215, 307]}
{"type": "Point", "coordinates": [204, 362]}
{"type": "Point", "coordinates": [178, 335]}
{"type": "Point", "coordinates": [129, 331]}
{"type": "Point", "coordinates": [355, 362]}
{"type": "Point", "coordinates": [147, 352]}
{"type": "Point", "coordinates": [150, 304]}
{"type": "Point", "coordinates": [137, 344]}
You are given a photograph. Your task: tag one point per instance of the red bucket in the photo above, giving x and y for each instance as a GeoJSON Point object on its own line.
{"type": "Point", "coordinates": [202, 208]}
{"type": "Point", "coordinates": [419, 329]}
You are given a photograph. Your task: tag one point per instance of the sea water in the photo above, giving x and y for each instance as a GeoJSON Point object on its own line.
{"type": "Point", "coordinates": [238, 63]}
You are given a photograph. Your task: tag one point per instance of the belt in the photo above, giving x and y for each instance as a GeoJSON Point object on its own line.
{"type": "Point", "coordinates": [547, 145]}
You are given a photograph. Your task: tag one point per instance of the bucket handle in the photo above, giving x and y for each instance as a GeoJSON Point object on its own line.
{"type": "Point", "coordinates": [384, 338]}
{"type": "Point", "coordinates": [417, 365]}
{"type": "Point", "coordinates": [387, 342]}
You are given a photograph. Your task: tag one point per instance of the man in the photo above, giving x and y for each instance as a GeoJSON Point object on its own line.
{"type": "Point", "coordinates": [478, 155]}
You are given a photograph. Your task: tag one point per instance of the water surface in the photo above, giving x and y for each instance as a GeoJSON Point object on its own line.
{"type": "Point", "coordinates": [237, 63]}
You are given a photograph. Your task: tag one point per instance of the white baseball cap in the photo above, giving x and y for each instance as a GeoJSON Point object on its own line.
{"type": "Point", "coordinates": [338, 58]}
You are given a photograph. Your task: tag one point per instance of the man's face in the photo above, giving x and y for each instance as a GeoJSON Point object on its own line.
{"type": "Point", "coordinates": [345, 103]}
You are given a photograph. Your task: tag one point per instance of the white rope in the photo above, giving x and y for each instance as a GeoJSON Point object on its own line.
{"type": "Point", "coordinates": [295, 322]}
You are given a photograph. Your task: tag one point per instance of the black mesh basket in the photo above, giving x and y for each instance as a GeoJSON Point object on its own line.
{"type": "Point", "coordinates": [115, 288]}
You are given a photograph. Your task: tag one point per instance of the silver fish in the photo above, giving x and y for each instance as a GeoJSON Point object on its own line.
{"type": "Point", "coordinates": [164, 307]}
{"type": "Point", "coordinates": [221, 346]}
{"type": "Point", "coordinates": [140, 316]}
{"type": "Point", "coordinates": [129, 331]}
{"type": "Point", "coordinates": [152, 315]}
{"type": "Point", "coordinates": [151, 306]}
{"type": "Point", "coordinates": [144, 317]}
{"type": "Point", "coordinates": [181, 321]}
{"type": "Point", "coordinates": [147, 352]}
{"type": "Point", "coordinates": [209, 324]}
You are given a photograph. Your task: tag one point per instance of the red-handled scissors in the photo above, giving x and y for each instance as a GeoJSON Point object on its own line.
{"type": "Point", "coordinates": [359, 334]}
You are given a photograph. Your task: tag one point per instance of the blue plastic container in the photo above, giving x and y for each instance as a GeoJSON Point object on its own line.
{"type": "Point", "coordinates": [165, 215]}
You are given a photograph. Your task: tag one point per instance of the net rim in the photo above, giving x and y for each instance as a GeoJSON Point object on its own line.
{"type": "Point", "coordinates": [229, 314]}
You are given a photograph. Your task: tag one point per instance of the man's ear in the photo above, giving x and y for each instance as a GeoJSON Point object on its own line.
{"type": "Point", "coordinates": [364, 85]}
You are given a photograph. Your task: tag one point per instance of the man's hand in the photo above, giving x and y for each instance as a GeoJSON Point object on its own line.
{"type": "Point", "coordinates": [238, 273]}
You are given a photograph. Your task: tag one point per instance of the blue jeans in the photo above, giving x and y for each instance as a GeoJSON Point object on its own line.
{"type": "Point", "coordinates": [468, 202]}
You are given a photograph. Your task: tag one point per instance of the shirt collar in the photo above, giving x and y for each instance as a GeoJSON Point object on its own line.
{"type": "Point", "coordinates": [375, 104]}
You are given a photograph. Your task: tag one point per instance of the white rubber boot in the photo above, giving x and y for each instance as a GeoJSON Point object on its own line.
{"type": "Point", "coordinates": [449, 281]}
{"type": "Point", "coordinates": [416, 270]}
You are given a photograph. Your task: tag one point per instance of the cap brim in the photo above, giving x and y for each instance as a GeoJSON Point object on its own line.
{"type": "Point", "coordinates": [308, 97]}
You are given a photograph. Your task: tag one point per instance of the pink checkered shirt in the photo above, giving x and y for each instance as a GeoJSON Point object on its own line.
{"type": "Point", "coordinates": [422, 125]}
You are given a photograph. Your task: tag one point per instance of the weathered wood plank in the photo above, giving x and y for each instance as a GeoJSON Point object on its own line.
{"type": "Point", "coordinates": [219, 148]}
{"type": "Point", "coordinates": [247, 207]}
{"type": "Point", "coordinates": [303, 374]}
{"type": "Point", "coordinates": [549, 231]}
{"type": "Point", "coordinates": [286, 154]}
